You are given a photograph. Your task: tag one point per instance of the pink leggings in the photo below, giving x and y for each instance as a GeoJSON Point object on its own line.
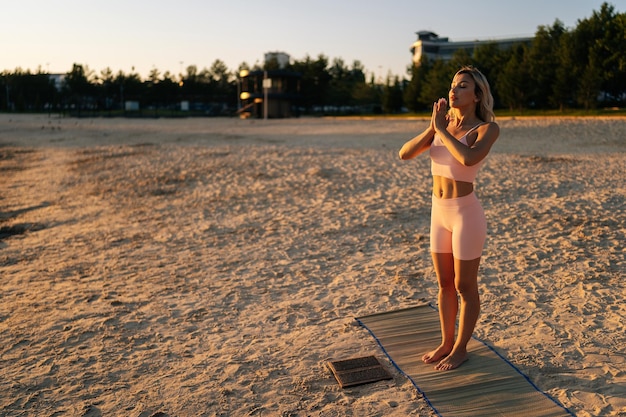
{"type": "Point", "coordinates": [458, 226]}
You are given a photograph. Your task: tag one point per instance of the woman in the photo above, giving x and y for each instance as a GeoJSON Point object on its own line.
{"type": "Point", "coordinates": [459, 140]}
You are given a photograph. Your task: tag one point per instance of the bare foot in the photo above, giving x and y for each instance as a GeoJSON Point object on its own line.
{"type": "Point", "coordinates": [452, 361]}
{"type": "Point", "coordinates": [436, 355]}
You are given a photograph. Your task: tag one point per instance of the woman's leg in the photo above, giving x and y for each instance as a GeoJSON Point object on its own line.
{"type": "Point", "coordinates": [466, 285]}
{"type": "Point", "coordinates": [460, 225]}
{"type": "Point", "coordinates": [448, 306]}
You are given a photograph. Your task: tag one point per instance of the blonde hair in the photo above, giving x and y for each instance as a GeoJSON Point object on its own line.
{"type": "Point", "coordinates": [484, 108]}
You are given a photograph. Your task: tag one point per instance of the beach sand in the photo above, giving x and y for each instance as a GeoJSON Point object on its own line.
{"type": "Point", "coordinates": [211, 267]}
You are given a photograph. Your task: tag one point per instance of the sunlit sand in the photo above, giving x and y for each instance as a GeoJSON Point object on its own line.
{"type": "Point", "coordinates": [212, 266]}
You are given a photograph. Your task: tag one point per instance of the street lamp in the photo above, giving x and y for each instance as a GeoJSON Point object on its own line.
{"type": "Point", "coordinates": [267, 84]}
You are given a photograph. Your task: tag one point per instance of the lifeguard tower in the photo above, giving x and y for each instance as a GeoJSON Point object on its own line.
{"type": "Point", "coordinates": [271, 93]}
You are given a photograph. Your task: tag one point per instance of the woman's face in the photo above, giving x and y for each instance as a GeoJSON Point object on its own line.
{"type": "Point", "coordinates": [461, 92]}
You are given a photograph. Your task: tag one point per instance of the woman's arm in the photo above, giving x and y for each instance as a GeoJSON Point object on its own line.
{"type": "Point", "coordinates": [418, 144]}
{"type": "Point", "coordinates": [466, 155]}
{"type": "Point", "coordinates": [421, 142]}
{"type": "Point", "coordinates": [471, 155]}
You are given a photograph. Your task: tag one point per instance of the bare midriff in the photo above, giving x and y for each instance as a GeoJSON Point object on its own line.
{"type": "Point", "coordinates": [449, 188]}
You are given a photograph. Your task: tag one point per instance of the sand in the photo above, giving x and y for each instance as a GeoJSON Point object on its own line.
{"type": "Point", "coordinates": [211, 267]}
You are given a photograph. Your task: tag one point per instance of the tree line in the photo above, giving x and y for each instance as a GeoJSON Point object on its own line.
{"type": "Point", "coordinates": [579, 68]}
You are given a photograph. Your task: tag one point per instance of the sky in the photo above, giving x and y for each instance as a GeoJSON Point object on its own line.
{"type": "Point", "coordinates": [138, 35]}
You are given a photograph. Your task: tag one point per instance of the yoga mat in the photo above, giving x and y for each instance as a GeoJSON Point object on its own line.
{"type": "Point", "coordinates": [486, 385]}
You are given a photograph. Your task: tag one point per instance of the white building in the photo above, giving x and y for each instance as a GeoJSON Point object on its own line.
{"type": "Point", "coordinates": [433, 47]}
{"type": "Point", "coordinates": [280, 57]}
{"type": "Point", "coordinates": [59, 80]}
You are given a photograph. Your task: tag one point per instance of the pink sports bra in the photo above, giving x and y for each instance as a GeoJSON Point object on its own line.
{"type": "Point", "coordinates": [445, 165]}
